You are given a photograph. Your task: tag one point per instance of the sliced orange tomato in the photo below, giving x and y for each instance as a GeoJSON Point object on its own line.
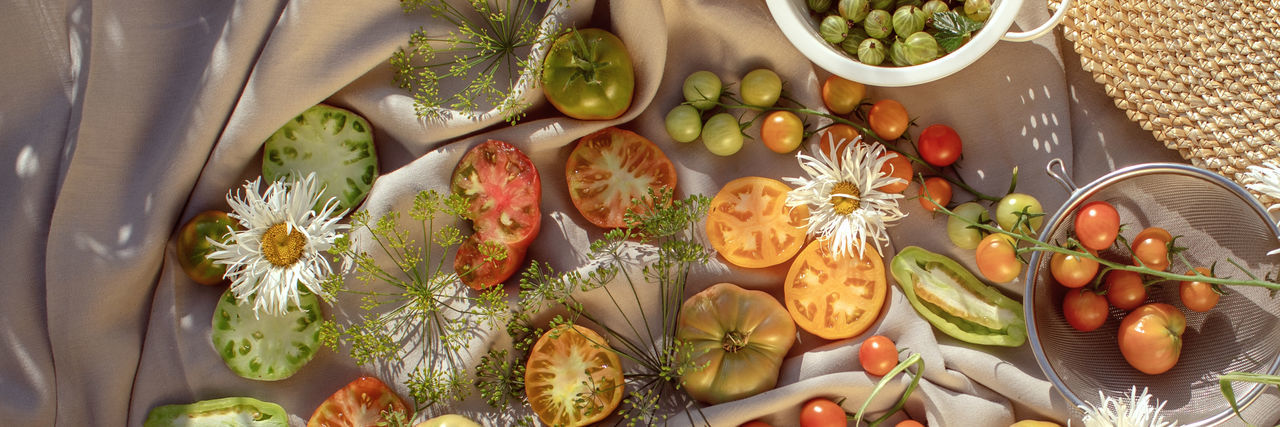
{"type": "Point", "coordinates": [561, 365]}
{"type": "Point", "coordinates": [750, 225]}
{"type": "Point", "coordinates": [835, 297]}
{"type": "Point", "coordinates": [610, 170]}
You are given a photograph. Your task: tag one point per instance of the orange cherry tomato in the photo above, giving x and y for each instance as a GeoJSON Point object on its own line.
{"type": "Point", "coordinates": [835, 297]}
{"type": "Point", "coordinates": [1150, 337]}
{"type": "Point", "coordinates": [997, 259]}
{"type": "Point", "coordinates": [937, 189]}
{"type": "Point", "coordinates": [1156, 232]}
{"type": "Point", "coordinates": [1196, 295]}
{"type": "Point", "coordinates": [841, 96]}
{"type": "Point", "coordinates": [756, 423]}
{"type": "Point", "coordinates": [1152, 253]}
{"type": "Point", "coordinates": [897, 166]}
{"type": "Point", "coordinates": [1125, 289]}
{"type": "Point", "coordinates": [878, 355]}
{"type": "Point", "coordinates": [749, 224]}
{"type": "Point", "coordinates": [822, 412]}
{"type": "Point", "coordinates": [908, 423]}
{"type": "Point", "coordinates": [1072, 271]}
{"type": "Point", "coordinates": [1097, 225]}
{"type": "Point", "coordinates": [835, 137]}
{"type": "Point", "coordinates": [888, 119]}
{"type": "Point", "coordinates": [782, 131]}
{"type": "Point", "coordinates": [1084, 309]}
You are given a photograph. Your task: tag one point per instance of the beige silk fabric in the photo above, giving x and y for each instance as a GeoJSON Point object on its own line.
{"type": "Point", "coordinates": [121, 120]}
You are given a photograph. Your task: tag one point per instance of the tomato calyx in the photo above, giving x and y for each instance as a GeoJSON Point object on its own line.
{"type": "Point", "coordinates": [733, 341]}
{"type": "Point", "coordinates": [584, 60]}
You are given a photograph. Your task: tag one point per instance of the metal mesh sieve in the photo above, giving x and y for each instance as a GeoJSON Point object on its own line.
{"type": "Point", "coordinates": [1217, 220]}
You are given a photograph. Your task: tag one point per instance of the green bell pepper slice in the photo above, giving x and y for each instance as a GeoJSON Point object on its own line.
{"type": "Point", "coordinates": [227, 411]}
{"type": "Point", "coordinates": [957, 303]}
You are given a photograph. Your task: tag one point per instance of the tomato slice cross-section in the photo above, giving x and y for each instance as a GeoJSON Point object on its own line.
{"type": "Point", "coordinates": [612, 171]}
{"type": "Point", "coordinates": [572, 377]}
{"type": "Point", "coordinates": [835, 297]}
{"type": "Point", "coordinates": [749, 224]}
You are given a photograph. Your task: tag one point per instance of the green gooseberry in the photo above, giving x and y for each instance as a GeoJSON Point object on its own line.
{"type": "Point", "coordinates": [934, 6]}
{"type": "Point", "coordinates": [908, 20]}
{"type": "Point", "coordinates": [901, 3]}
{"type": "Point", "coordinates": [855, 38]}
{"type": "Point", "coordinates": [854, 10]}
{"type": "Point", "coordinates": [819, 6]}
{"type": "Point", "coordinates": [879, 24]}
{"type": "Point", "coordinates": [833, 29]}
{"type": "Point", "coordinates": [977, 10]}
{"type": "Point", "coordinates": [898, 53]}
{"type": "Point", "coordinates": [881, 4]}
{"type": "Point", "coordinates": [920, 47]}
{"type": "Point", "coordinates": [872, 51]}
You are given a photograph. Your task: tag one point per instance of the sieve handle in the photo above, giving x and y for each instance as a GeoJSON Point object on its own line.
{"type": "Point", "coordinates": [1042, 29]}
{"type": "Point", "coordinates": [1061, 174]}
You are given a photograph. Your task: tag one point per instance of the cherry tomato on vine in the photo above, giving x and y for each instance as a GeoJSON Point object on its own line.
{"type": "Point", "coordinates": [841, 96]}
{"type": "Point", "coordinates": [908, 423]}
{"type": "Point", "coordinates": [761, 88]}
{"type": "Point", "coordinates": [1151, 248]}
{"type": "Point", "coordinates": [822, 412]}
{"type": "Point", "coordinates": [684, 123]}
{"type": "Point", "coordinates": [722, 135]}
{"type": "Point", "coordinates": [959, 231]}
{"type": "Point", "coordinates": [1009, 208]}
{"type": "Point", "coordinates": [1150, 337]}
{"type": "Point", "coordinates": [878, 355]}
{"type": "Point", "coordinates": [1153, 232]}
{"type": "Point", "coordinates": [1125, 289]}
{"type": "Point", "coordinates": [897, 166]}
{"type": "Point", "coordinates": [702, 89]}
{"type": "Point", "coordinates": [997, 259]}
{"type": "Point", "coordinates": [835, 137]}
{"type": "Point", "coordinates": [888, 119]}
{"type": "Point", "coordinates": [1072, 271]}
{"type": "Point", "coordinates": [1084, 309]}
{"type": "Point", "coordinates": [937, 189]}
{"type": "Point", "coordinates": [939, 145]}
{"type": "Point", "coordinates": [1196, 295]}
{"type": "Point", "coordinates": [1097, 225]}
{"type": "Point", "coordinates": [782, 131]}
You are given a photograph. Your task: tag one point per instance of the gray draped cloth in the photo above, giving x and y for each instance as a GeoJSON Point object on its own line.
{"type": "Point", "coordinates": [119, 120]}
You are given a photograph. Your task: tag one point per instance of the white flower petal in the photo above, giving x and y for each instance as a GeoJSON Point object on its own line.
{"type": "Point", "coordinates": [859, 164]}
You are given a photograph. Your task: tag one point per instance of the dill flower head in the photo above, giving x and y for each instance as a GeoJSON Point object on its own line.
{"type": "Point", "coordinates": [281, 248]}
{"type": "Point", "coordinates": [843, 193]}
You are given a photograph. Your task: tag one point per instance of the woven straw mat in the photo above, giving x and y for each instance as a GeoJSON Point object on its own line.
{"type": "Point", "coordinates": [1203, 76]}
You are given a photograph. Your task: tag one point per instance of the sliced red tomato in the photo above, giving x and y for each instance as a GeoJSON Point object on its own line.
{"type": "Point", "coordinates": [480, 271]}
{"type": "Point", "coordinates": [611, 172]}
{"type": "Point", "coordinates": [750, 225]}
{"type": "Point", "coordinates": [358, 404]}
{"type": "Point", "coordinates": [573, 377]}
{"type": "Point", "coordinates": [504, 191]}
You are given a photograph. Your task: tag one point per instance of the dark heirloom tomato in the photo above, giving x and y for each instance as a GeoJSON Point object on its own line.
{"type": "Point", "coordinates": [194, 248]}
{"type": "Point", "coordinates": [358, 404]}
{"type": "Point", "coordinates": [740, 336]}
{"type": "Point", "coordinates": [588, 75]}
{"type": "Point", "coordinates": [504, 194]}
{"type": "Point", "coordinates": [1151, 337]}
{"type": "Point", "coordinates": [611, 170]}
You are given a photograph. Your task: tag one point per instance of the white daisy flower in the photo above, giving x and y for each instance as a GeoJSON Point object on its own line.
{"type": "Point", "coordinates": [281, 247]}
{"type": "Point", "coordinates": [845, 203]}
{"type": "Point", "coordinates": [1265, 179]}
{"type": "Point", "coordinates": [1134, 410]}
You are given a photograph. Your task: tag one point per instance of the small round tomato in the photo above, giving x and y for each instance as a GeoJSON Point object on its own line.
{"type": "Point", "coordinates": [1152, 253]}
{"type": "Point", "coordinates": [822, 412]}
{"type": "Point", "coordinates": [878, 355]}
{"type": "Point", "coordinates": [193, 246]}
{"type": "Point", "coordinates": [939, 145]}
{"type": "Point", "coordinates": [841, 96]}
{"type": "Point", "coordinates": [1150, 337]}
{"type": "Point", "coordinates": [722, 135]}
{"type": "Point", "coordinates": [908, 423]}
{"type": "Point", "coordinates": [612, 171]}
{"type": "Point", "coordinates": [897, 166]}
{"type": "Point", "coordinates": [782, 131]}
{"type": "Point", "coordinates": [959, 231]}
{"type": "Point", "coordinates": [1084, 309]}
{"type": "Point", "coordinates": [1125, 289]}
{"type": "Point", "coordinates": [888, 119]}
{"type": "Point", "coordinates": [1011, 207]}
{"type": "Point", "coordinates": [590, 52]}
{"type": "Point", "coordinates": [937, 189]}
{"type": "Point", "coordinates": [1072, 271]}
{"type": "Point", "coordinates": [684, 123]}
{"type": "Point", "coordinates": [749, 224]}
{"type": "Point", "coordinates": [997, 259]}
{"type": "Point", "coordinates": [573, 377]}
{"type": "Point", "coordinates": [1153, 232]}
{"type": "Point", "coordinates": [835, 296]}
{"type": "Point", "coordinates": [1196, 295]}
{"type": "Point", "coordinates": [761, 88]}
{"type": "Point", "coordinates": [1097, 225]}
{"type": "Point", "coordinates": [836, 136]}
{"type": "Point", "coordinates": [702, 89]}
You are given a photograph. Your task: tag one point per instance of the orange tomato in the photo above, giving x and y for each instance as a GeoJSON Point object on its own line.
{"type": "Point", "coordinates": [1072, 271]}
{"type": "Point", "coordinates": [842, 96]}
{"type": "Point", "coordinates": [1125, 289]}
{"type": "Point", "coordinates": [908, 423]}
{"type": "Point", "coordinates": [898, 167]}
{"type": "Point", "coordinates": [835, 137]}
{"type": "Point", "coordinates": [888, 119]}
{"type": "Point", "coordinates": [937, 189]}
{"type": "Point", "coordinates": [749, 224]}
{"type": "Point", "coordinates": [561, 364]}
{"type": "Point", "coordinates": [1151, 337]}
{"type": "Point", "coordinates": [782, 131]}
{"type": "Point", "coordinates": [997, 259]}
{"type": "Point", "coordinates": [835, 297]}
{"type": "Point", "coordinates": [1196, 295]}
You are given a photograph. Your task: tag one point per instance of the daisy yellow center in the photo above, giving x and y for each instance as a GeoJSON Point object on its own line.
{"type": "Point", "coordinates": [845, 197]}
{"type": "Point", "coordinates": [282, 245]}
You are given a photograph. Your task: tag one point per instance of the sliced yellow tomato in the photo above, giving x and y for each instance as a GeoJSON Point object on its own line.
{"type": "Point", "coordinates": [835, 297]}
{"type": "Point", "coordinates": [572, 377]}
{"type": "Point", "coordinates": [750, 225]}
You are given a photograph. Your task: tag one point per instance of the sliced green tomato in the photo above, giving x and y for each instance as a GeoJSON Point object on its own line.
{"type": "Point", "coordinates": [335, 144]}
{"type": "Point", "coordinates": [263, 347]}
{"type": "Point", "coordinates": [227, 411]}
{"type": "Point", "coordinates": [194, 247]}
{"type": "Point", "coordinates": [450, 420]}
{"type": "Point", "coordinates": [957, 303]}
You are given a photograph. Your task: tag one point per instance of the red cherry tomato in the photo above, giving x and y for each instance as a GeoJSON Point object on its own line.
{"type": "Point", "coordinates": [878, 355]}
{"type": "Point", "coordinates": [1125, 289]}
{"type": "Point", "coordinates": [1097, 225]}
{"type": "Point", "coordinates": [939, 145]}
{"type": "Point", "coordinates": [937, 189]}
{"type": "Point", "coordinates": [1196, 295]}
{"type": "Point", "coordinates": [908, 423]}
{"type": "Point", "coordinates": [1084, 309]}
{"type": "Point", "coordinates": [1072, 271]}
{"type": "Point", "coordinates": [835, 138]}
{"type": "Point", "coordinates": [822, 412]}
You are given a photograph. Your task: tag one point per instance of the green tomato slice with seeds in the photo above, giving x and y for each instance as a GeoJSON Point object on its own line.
{"type": "Point", "coordinates": [263, 347]}
{"type": "Point", "coordinates": [227, 411]}
{"type": "Point", "coordinates": [335, 144]}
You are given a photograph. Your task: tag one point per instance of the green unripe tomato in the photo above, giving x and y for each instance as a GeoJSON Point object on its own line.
{"type": "Point", "coordinates": [684, 123]}
{"type": "Point", "coordinates": [1009, 207]}
{"type": "Point", "coordinates": [833, 29]}
{"type": "Point", "coordinates": [722, 135]}
{"type": "Point", "coordinates": [879, 24]}
{"type": "Point", "coordinates": [854, 10]}
{"type": "Point", "coordinates": [959, 232]}
{"type": "Point", "coordinates": [702, 89]}
{"type": "Point", "coordinates": [908, 20]}
{"type": "Point", "coordinates": [920, 48]}
{"type": "Point", "coordinates": [872, 52]}
{"type": "Point", "coordinates": [761, 88]}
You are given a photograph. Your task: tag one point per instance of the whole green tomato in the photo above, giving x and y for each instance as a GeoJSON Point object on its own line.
{"type": "Point", "coordinates": [193, 245]}
{"type": "Point", "coordinates": [740, 336]}
{"type": "Point", "coordinates": [588, 75]}
{"type": "Point", "coordinates": [1011, 207]}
